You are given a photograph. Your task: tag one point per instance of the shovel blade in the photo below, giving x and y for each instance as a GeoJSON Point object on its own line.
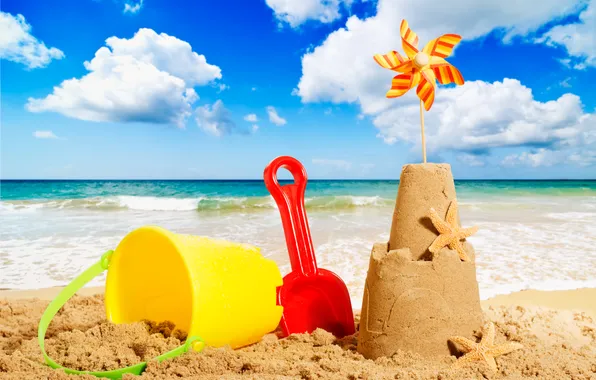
{"type": "Point", "coordinates": [315, 301]}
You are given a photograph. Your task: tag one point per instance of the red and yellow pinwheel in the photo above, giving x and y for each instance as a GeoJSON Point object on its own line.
{"type": "Point", "coordinates": [421, 68]}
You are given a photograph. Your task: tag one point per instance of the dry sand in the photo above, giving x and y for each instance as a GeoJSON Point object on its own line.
{"type": "Point", "coordinates": [560, 343]}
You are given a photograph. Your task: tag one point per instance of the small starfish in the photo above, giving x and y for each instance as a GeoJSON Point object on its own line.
{"type": "Point", "coordinates": [486, 350]}
{"type": "Point", "coordinates": [450, 233]}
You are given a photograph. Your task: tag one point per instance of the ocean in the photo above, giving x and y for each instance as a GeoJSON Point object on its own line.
{"type": "Point", "coordinates": [533, 234]}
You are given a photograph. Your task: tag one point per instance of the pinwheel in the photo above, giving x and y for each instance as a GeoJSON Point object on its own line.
{"type": "Point", "coordinates": [421, 68]}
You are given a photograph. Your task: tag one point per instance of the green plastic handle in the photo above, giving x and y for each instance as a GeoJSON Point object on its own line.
{"type": "Point", "coordinates": [66, 293]}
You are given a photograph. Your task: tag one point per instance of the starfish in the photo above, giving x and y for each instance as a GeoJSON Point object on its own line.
{"type": "Point", "coordinates": [450, 233]}
{"type": "Point", "coordinates": [486, 350]}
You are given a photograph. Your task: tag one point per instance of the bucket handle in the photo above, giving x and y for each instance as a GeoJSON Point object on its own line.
{"type": "Point", "coordinates": [195, 342]}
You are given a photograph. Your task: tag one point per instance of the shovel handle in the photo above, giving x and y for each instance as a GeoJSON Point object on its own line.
{"type": "Point", "coordinates": [290, 201]}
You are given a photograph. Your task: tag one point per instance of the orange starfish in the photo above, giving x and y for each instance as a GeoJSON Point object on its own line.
{"type": "Point", "coordinates": [450, 232]}
{"type": "Point", "coordinates": [486, 350]}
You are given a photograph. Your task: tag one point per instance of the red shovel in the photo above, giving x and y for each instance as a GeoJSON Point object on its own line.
{"type": "Point", "coordinates": [311, 297]}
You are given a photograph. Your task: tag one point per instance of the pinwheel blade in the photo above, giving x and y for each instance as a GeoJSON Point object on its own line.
{"type": "Point", "coordinates": [390, 60]}
{"type": "Point", "coordinates": [409, 39]}
{"type": "Point", "coordinates": [402, 83]}
{"type": "Point", "coordinates": [447, 73]}
{"type": "Point", "coordinates": [405, 67]}
{"type": "Point", "coordinates": [426, 88]}
{"type": "Point", "coordinates": [443, 46]}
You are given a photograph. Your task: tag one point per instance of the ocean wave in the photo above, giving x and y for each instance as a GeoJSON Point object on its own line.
{"type": "Point", "coordinates": [572, 216]}
{"type": "Point", "coordinates": [148, 203]}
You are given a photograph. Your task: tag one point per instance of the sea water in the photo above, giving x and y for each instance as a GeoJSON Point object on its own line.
{"type": "Point", "coordinates": [533, 234]}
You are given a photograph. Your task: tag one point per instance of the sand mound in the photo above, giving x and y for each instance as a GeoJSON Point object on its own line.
{"type": "Point", "coordinates": [559, 345]}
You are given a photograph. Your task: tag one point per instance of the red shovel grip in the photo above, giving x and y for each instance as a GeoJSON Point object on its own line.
{"type": "Point", "coordinates": [290, 201]}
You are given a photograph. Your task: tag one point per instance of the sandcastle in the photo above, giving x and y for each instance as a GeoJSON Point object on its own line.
{"type": "Point", "coordinates": [421, 287]}
{"type": "Point", "coordinates": [414, 299]}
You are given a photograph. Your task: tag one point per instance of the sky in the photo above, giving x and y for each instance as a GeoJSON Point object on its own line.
{"type": "Point", "coordinates": [172, 89]}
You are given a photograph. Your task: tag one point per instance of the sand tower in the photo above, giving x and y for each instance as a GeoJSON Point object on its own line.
{"type": "Point", "coordinates": [421, 287]}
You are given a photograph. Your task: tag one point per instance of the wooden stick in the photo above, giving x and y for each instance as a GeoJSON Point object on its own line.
{"type": "Point", "coordinates": [422, 126]}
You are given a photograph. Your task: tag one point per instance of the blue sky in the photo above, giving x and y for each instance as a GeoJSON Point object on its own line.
{"type": "Point", "coordinates": [216, 89]}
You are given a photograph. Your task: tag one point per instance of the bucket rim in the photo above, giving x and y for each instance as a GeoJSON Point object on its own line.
{"type": "Point", "coordinates": [111, 293]}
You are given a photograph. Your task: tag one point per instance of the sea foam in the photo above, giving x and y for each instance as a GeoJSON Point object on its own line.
{"type": "Point", "coordinates": [149, 203]}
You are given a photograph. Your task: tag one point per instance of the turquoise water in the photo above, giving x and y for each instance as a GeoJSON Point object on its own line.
{"type": "Point", "coordinates": [533, 234]}
{"type": "Point", "coordinates": [253, 194]}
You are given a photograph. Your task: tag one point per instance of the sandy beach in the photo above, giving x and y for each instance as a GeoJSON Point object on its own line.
{"type": "Point", "coordinates": [556, 328]}
{"type": "Point", "coordinates": [555, 324]}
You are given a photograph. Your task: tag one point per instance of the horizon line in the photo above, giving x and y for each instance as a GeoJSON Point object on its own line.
{"type": "Point", "coordinates": [260, 179]}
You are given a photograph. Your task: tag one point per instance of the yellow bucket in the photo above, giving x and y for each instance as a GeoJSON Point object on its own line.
{"type": "Point", "coordinates": [223, 292]}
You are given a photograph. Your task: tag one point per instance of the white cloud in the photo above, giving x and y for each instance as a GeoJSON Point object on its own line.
{"type": "Point", "coordinates": [586, 158]}
{"type": "Point", "coordinates": [44, 135]}
{"type": "Point", "coordinates": [215, 119]}
{"type": "Point", "coordinates": [133, 6]}
{"type": "Point", "coordinates": [17, 44]}
{"type": "Point", "coordinates": [147, 78]}
{"type": "Point", "coordinates": [353, 46]}
{"type": "Point", "coordinates": [254, 128]}
{"type": "Point", "coordinates": [222, 87]}
{"type": "Point", "coordinates": [544, 157]}
{"type": "Point", "coordinates": [337, 164]}
{"type": "Point", "coordinates": [565, 83]}
{"type": "Point", "coordinates": [253, 89]}
{"type": "Point", "coordinates": [251, 117]}
{"type": "Point", "coordinates": [296, 12]}
{"type": "Point", "coordinates": [470, 159]}
{"type": "Point", "coordinates": [274, 117]}
{"type": "Point", "coordinates": [479, 116]}
{"type": "Point", "coordinates": [540, 157]}
{"type": "Point", "coordinates": [578, 39]}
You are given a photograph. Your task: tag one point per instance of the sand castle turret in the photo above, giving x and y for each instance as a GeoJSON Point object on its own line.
{"type": "Point", "coordinates": [415, 299]}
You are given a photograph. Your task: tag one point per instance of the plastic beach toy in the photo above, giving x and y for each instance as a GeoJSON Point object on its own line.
{"type": "Point", "coordinates": [312, 297]}
{"type": "Point", "coordinates": [220, 293]}
{"type": "Point", "coordinates": [223, 292]}
{"type": "Point", "coordinates": [192, 342]}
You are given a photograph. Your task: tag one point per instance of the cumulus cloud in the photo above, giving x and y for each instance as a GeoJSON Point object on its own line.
{"type": "Point", "coordinates": [337, 164]}
{"type": "Point", "coordinates": [356, 43]}
{"type": "Point", "coordinates": [479, 116]}
{"type": "Point", "coordinates": [296, 12]}
{"type": "Point", "coordinates": [44, 135]}
{"type": "Point", "coordinates": [586, 158]}
{"type": "Point", "coordinates": [544, 157]}
{"type": "Point", "coordinates": [17, 44]}
{"type": "Point", "coordinates": [133, 6]}
{"type": "Point", "coordinates": [274, 117]}
{"type": "Point", "coordinates": [578, 38]}
{"type": "Point", "coordinates": [251, 117]}
{"type": "Point", "coordinates": [540, 157]}
{"type": "Point", "coordinates": [254, 128]}
{"type": "Point", "coordinates": [215, 119]}
{"type": "Point", "coordinates": [147, 78]}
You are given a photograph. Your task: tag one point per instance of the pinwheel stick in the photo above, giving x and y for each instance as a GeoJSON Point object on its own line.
{"type": "Point", "coordinates": [422, 127]}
